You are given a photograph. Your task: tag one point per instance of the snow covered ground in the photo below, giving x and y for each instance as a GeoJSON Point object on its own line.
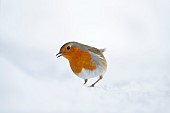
{"type": "Point", "coordinates": [135, 34]}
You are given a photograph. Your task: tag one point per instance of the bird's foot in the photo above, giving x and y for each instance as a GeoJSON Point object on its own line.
{"type": "Point", "coordinates": [85, 81]}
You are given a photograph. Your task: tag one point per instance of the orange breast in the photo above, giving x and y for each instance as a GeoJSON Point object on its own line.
{"type": "Point", "coordinates": [80, 59]}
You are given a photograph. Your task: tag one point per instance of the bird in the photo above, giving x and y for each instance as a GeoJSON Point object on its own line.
{"type": "Point", "coordinates": [85, 61]}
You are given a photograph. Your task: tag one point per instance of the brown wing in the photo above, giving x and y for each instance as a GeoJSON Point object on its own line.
{"type": "Point", "coordinates": [96, 51]}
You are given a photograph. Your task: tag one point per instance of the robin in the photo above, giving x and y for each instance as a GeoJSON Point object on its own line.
{"type": "Point", "coordinates": [85, 61]}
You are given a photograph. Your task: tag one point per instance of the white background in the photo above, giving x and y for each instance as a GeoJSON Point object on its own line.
{"type": "Point", "coordinates": [135, 34]}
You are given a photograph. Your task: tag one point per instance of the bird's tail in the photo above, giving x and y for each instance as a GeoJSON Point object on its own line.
{"type": "Point", "coordinates": [102, 50]}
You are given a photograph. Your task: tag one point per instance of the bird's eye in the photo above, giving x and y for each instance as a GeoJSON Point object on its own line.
{"type": "Point", "coordinates": [68, 47]}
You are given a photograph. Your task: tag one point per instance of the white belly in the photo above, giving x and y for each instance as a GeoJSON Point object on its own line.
{"type": "Point", "coordinates": [86, 74]}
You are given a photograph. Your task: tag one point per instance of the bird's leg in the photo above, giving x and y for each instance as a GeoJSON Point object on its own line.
{"type": "Point", "coordinates": [85, 81]}
{"type": "Point", "coordinates": [100, 77]}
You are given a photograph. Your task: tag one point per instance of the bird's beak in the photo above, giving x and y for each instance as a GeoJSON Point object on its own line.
{"type": "Point", "coordinates": [59, 54]}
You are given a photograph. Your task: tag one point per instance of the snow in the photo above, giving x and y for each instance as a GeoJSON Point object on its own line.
{"type": "Point", "coordinates": [134, 33]}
